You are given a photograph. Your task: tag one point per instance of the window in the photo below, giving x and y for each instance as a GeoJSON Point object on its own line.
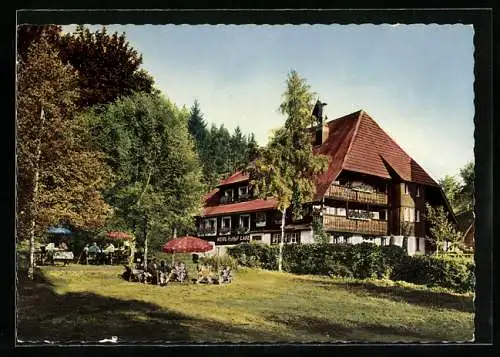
{"type": "Point", "coordinates": [275, 238]}
{"type": "Point", "coordinates": [228, 196]}
{"type": "Point", "coordinates": [225, 225]}
{"type": "Point", "coordinates": [383, 215]}
{"type": "Point", "coordinates": [211, 226]}
{"type": "Point", "coordinates": [294, 239]}
{"type": "Point", "coordinates": [341, 211]}
{"type": "Point", "coordinates": [243, 192]}
{"type": "Point", "coordinates": [257, 239]}
{"type": "Point", "coordinates": [260, 219]}
{"type": "Point", "coordinates": [409, 214]}
{"type": "Point", "coordinates": [406, 189]}
{"type": "Point", "coordinates": [418, 191]}
{"type": "Point", "coordinates": [375, 215]}
{"type": "Point", "coordinates": [417, 242]}
{"type": "Point", "coordinates": [245, 221]}
{"type": "Point", "coordinates": [417, 215]}
{"type": "Point", "coordinates": [383, 241]}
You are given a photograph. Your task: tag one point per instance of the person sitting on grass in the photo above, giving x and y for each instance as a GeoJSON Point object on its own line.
{"type": "Point", "coordinates": [226, 276]}
{"type": "Point", "coordinates": [182, 272]}
{"type": "Point", "coordinates": [204, 275]}
{"type": "Point", "coordinates": [163, 273]}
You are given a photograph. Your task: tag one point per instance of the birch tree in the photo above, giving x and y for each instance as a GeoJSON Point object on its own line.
{"type": "Point", "coordinates": [59, 178]}
{"type": "Point", "coordinates": [286, 167]}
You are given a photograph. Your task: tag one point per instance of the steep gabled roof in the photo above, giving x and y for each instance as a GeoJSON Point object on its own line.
{"type": "Point", "coordinates": [238, 176]}
{"type": "Point", "coordinates": [356, 143]}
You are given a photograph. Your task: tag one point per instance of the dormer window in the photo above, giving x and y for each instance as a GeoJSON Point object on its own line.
{"type": "Point", "coordinates": [228, 196]}
{"type": "Point", "coordinates": [243, 192]}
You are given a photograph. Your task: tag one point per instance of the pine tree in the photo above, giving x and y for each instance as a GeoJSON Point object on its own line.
{"type": "Point", "coordinates": [286, 166]}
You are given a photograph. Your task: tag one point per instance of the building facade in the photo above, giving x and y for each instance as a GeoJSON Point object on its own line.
{"type": "Point", "coordinates": [372, 191]}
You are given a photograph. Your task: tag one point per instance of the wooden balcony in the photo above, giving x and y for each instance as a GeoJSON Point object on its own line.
{"type": "Point", "coordinates": [348, 194]}
{"type": "Point", "coordinates": [343, 224]}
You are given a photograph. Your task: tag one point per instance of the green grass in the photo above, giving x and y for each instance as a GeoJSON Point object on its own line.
{"type": "Point", "coordinates": [88, 303]}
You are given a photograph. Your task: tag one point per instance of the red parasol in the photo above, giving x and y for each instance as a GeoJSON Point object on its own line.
{"type": "Point", "coordinates": [187, 244]}
{"type": "Point", "coordinates": [119, 235]}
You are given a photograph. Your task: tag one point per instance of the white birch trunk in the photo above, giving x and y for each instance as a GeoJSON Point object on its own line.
{"type": "Point", "coordinates": [280, 254]}
{"type": "Point", "coordinates": [34, 207]}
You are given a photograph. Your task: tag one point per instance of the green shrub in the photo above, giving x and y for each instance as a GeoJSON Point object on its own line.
{"type": "Point", "coordinates": [220, 261]}
{"type": "Point", "coordinates": [450, 273]}
{"type": "Point", "coordinates": [255, 255]}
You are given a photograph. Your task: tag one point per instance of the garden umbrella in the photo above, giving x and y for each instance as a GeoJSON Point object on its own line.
{"type": "Point", "coordinates": [186, 244]}
{"type": "Point", "coordinates": [58, 230]}
{"type": "Point", "coordinates": [119, 235]}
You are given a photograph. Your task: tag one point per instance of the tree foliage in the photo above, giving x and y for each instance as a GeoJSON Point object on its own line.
{"type": "Point", "coordinates": [441, 228]}
{"type": "Point", "coordinates": [158, 176]}
{"type": "Point", "coordinates": [460, 190]}
{"type": "Point", "coordinates": [29, 34]}
{"type": "Point", "coordinates": [108, 67]}
{"type": "Point", "coordinates": [71, 175]}
{"type": "Point", "coordinates": [220, 152]}
{"type": "Point", "coordinates": [286, 167]}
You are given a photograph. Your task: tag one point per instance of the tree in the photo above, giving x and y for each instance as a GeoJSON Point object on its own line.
{"type": "Point", "coordinates": [158, 186]}
{"type": "Point", "coordinates": [451, 187]}
{"type": "Point", "coordinates": [107, 66]}
{"type": "Point", "coordinates": [441, 229]}
{"type": "Point", "coordinates": [59, 178]}
{"type": "Point", "coordinates": [28, 34]}
{"type": "Point", "coordinates": [286, 166]}
{"type": "Point", "coordinates": [466, 194]}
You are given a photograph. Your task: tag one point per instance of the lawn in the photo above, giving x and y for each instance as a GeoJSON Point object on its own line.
{"type": "Point", "coordinates": [88, 303]}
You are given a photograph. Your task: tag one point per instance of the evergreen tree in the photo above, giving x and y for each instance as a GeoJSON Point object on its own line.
{"type": "Point", "coordinates": [286, 166]}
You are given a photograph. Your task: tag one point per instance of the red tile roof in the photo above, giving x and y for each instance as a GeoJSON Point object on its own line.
{"type": "Point", "coordinates": [238, 176]}
{"type": "Point", "coordinates": [356, 143]}
{"type": "Point", "coordinates": [245, 206]}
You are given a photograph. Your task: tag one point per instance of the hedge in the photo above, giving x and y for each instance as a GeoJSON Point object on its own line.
{"type": "Point", "coordinates": [360, 261]}
{"type": "Point", "coordinates": [451, 273]}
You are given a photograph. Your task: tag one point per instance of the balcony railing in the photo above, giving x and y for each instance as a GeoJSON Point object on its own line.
{"type": "Point", "coordinates": [344, 224]}
{"type": "Point", "coordinates": [226, 199]}
{"type": "Point", "coordinates": [349, 194]}
{"type": "Point", "coordinates": [207, 231]}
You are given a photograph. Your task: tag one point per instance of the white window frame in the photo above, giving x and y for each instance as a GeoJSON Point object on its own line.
{"type": "Point", "coordinates": [241, 221]}
{"type": "Point", "coordinates": [222, 224]}
{"type": "Point", "coordinates": [294, 239]}
{"type": "Point", "coordinates": [417, 244]}
{"type": "Point", "coordinates": [406, 189]}
{"type": "Point", "coordinates": [207, 225]}
{"type": "Point", "coordinates": [227, 190]}
{"type": "Point", "coordinates": [417, 215]}
{"type": "Point", "coordinates": [275, 238]}
{"type": "Point", "coordinates": [260, 223]}
{"type": "Point", "coordinates": [418, 191]}
{"type": "Point", "coordinates": [243, 193]}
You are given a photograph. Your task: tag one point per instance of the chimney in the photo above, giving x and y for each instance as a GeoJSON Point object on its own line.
{"type": "Point", "coordinates": [321, 130]}
{"type": "Point", "coordinates": [320, 134]}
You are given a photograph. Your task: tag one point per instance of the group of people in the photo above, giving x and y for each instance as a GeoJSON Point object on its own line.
{"type": "Point", "coordinates": [162, 273]}
{"type": "Point", "coordinates": [96, 255]}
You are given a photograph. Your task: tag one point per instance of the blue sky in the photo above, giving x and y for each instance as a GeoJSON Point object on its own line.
{"type": "Point", "coordinates": [415, 81]}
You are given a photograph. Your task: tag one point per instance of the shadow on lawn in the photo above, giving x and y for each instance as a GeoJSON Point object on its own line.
{"type": "Point", "coordinates": [86, 317]}
{"type": "Point", "coordinates": [425, 298]}
{"type": "Point", "coordinates": [359, 332]}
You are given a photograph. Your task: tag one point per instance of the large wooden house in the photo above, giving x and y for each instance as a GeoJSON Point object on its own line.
{"type": "Point", "coordinates": [372, 191]}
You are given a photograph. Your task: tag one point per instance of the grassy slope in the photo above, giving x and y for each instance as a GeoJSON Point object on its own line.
{"type": "Point", "coordinates": [91, 302]}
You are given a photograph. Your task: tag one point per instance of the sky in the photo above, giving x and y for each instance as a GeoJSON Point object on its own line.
{"type": "Point", "coordinates": [415, 81]}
